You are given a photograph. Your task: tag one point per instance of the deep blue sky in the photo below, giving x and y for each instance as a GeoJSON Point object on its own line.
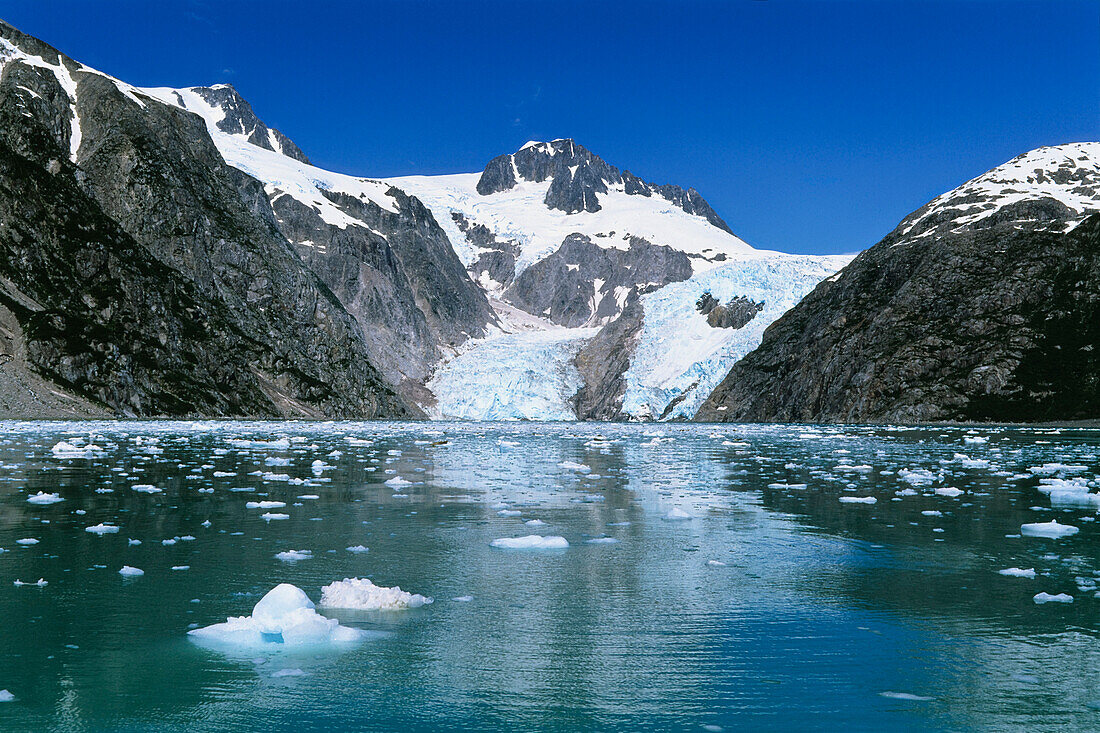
{"type": "Point", "coordinates": [810, 127]}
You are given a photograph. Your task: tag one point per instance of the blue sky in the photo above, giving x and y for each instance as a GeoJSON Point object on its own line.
{"type": "Point", "coordinates": [809, 126]}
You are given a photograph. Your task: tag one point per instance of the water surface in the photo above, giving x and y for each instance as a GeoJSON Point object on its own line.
{"type": "Point", "coordinates": [771, 606]}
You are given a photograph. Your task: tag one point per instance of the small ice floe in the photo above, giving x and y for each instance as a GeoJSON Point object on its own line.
{"type": "Point", "coordinates": [69, 450]}
{"type": "Point", "coordinates": [905, 696]}
{"type": "Point", "coordinates": [1057, 469]}
{"type": "Point", "coordinates": [271, 516]}
{"type": "Point", "coordinates": [276, 461]}
{"type": "Point", "coordinates": [509, 512]}
{"type": "Point", "coordinates": [284, 617]}
{"type": "Point", "coordinates": [40, 583]}
{"type": "Point", "coordinates": [792, 487]}
{"type": "Point", "coordinates": [169, 541]}
{"type": "Point", "coordinates": [104, 491]}
{"type": "Point", "coordinates": [967, 462]}
{"type": "Point", "coordinates": [181, 567]}
{"type": "Point", "coordinates": [309, 496]}
{"type": "Point", "coordinates": [975, 439]}
{"type": "Point", "coordinates": [27, 541]}
{"type": "Point", "coordinates": [1050, 530]}
{"type": "Point", "coordinates": [130, 572]}
{"type": "Point", "coordinates": [294, 555]}
{"type": "Point", "coordinates": [264, 504]}
{"type": "Point", "coordinates": [535, 523]}
{"type": "Point", "coordinates": [932, 513]}
{"type": "Point", "coordinates": [146, 489]}
{"type": "Point", "coordinates": [463, 599]}
{"type": "Point", "coordinates": [950, 491]}
{"type": "Point", "coordinates": [1018, 572]}
{"type": "Point", "coordinates": [531, 542]}
{"type": "Point", "coordinates": [357, 549]}
{"type": "Point", "coordinates": [676, 514]}
{"type": "Point", "coordinates": [361, 594]}
{"type": "Point", "coordinates": [42, 498]}
{"type": "Point", "coordinates": [290, 672]}
{"type": "Point", "coordinates": [397, 482]}
{"type": "Point", "coordinates": [858, 500]}
{"type": "Point", "coordinates": [1041, 598]}
{"type": "Point", "coordinates": [132, 542]}
{"type": "Point", "coordinates": [601, 541]}
{"type": "Point", "coordinates": [716, 563]}
{"type": "Point", "coordinates": [6, 696]}
{"type": "Point", "coordinates": [224, 474]}
{"type": "Point", "coordinates": [578, 467]}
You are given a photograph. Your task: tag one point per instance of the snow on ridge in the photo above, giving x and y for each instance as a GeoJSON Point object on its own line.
{"type": "Point", "coordinates": [1069, 174]}
{"type": "Point", "coordinates": [520, 214]}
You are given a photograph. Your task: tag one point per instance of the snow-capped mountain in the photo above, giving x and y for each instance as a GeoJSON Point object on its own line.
{"type": "Point", "coordinates": [555, 232]}
{"type": "Point", "coordinates": [983, 304]}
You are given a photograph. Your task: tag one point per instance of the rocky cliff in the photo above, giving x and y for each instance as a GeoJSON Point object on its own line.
{"type": "Point", "coordinates": [982, 305]}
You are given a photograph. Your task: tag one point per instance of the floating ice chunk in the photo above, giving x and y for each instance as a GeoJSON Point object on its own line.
{"type": "Point", "coordinates": [40, 583]}
{"type": "Point", "coordinates": [285, 616]}
{"type": "Point", "coordinates": [602, 541]}
{"type": "Point", "coordinates": [531, 542]}
{"type": "Point", "coordinates": [357, 549]}
{"type": "Point", "coordinates": [224, 474]}
{"type": "Point", "coordinates": [535, 523]}
{"type": "Point", "coordinates": [858, 500]}
{"type": "Point", "coordinates": [294, 555]}
{"type": "Point", "coordinates": [905, 696]}
{"type": "Point", "coordinates": [363, 595]}
{"type": "Point", "coordinates": [181, 567]}
{"type": "Point", "coordinates": [1056, 469]}
{"type": "Point", "coordinates": [509, 512]}
{"type": "Point", "coordinates": [975, 439]}
{"type": "Point", "coordinates": [571, 466]}
{"type": "Point", "coordinates": [917, 477]}
{"type": "Point", "coordinates": [146, 489]}
{"type": "Point", "coordinates": [309, 496]}
{"type": "Point", "coordinates": [793, 487]}
{"type": "Point", "coordinates": [269, 516]}
{"type": "Point", "coordinates": [275, 461]}
{"type": "Point", "coordinates": [1050, 530]}
{"type": "Point", "coordinates": [43, 498]}
{"type": "Point", "coordinates": [397, 482]}
{"type": "Point", "coordinates": [932, 513]}
{"type": "Point", "coordinates": [6, 696]}
{"type": "Point", "coordinates": [1018, 572]}
{"type": "Point", "coordinates": [949, 491]}
{"type": "Point", "coordinates": [1048, 598]}
{"type": "Point", "coordinates": [716, 563]}
{"type": "Point", "coordinates": [68, 450]}
{"type": "Point", "coordinates": [264, 504]}
{"type": "Point", "coordinates": [966, 461]}
{"type": "Point", "coordinates": [295, 672]}
{"type": "Point", "coordinates": [463, 599]}
{"type": "Point", "coordinates": [27, 541]}
{"type": "Point", "coordinates": [130, 572]}
{"type": "Point", "coordinates": [676, 514]}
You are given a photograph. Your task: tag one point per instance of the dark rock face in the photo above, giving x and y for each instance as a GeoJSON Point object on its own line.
{"type": "Point", "coordinates": [583, 283]}
{"type": "Point", "coordinates": [499, 263]}
{"type": "Point", "coordinates": [997, 322]}
{"type": "Point", "coordinates": [603, 361]}
{"type": "Point", "coordinates": [734, 314]}
{"type": "Point", "coordinates": [150, 277]}
{"type": "Point", "coordinates": [396, 274]}
{"type": "Point", "coordinates": [578, 177]}
{"type": "Point", "coordinates": [241, 120]}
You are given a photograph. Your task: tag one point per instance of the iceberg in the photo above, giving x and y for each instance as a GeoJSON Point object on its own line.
{"type": "Point", "coordinates": [1018, 572]}
{"type": "Point", "coordinates": [43, 498]}
{"type": "Point", "coordinates": [102, 529]}
{"type": "Point", "coordinates": [531, 542]}
{"type": "Point", "coordinates": [1041, 598]}
{"type": "Point", "coordinates": [362, 595]}
{"type": "Point", "coordinates": [294, 555]}
{"type": "Point", "coordinates": [130, 572]}
{"type": "Point", "coordinates": [69, 450]}
{"type": "Point", "coordinates": [1051, 530]}
{"type": "Point", "coordinates": [858, 500]}
{"type": "Point", "coordinates": [6, 696]}
{"type": "Point", "coordinates": [285, 617]}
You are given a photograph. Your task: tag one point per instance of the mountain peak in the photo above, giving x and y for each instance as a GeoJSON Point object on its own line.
{"type": "Point", "coordinates": [578, 177]}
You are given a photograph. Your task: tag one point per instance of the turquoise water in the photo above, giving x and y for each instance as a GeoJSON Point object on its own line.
{"type": "Point", "coordinates": [822, 616]}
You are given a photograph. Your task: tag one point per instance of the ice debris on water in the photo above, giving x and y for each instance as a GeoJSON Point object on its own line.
{"type": "Point", "coordinates": [130, 572]}
{"type": "Point", "coordinates": [40, 583]}
{"type": "Point", "coordinates": [357, 549]}
{"type": "Point", "coordinates": [905, 696]}
{"type": "Point", "coordinates": [363, 595]}
{"type": "Point", "coordinates": [102, 529]}
{"type": "Point", "coordinates": [27, 541]}
{"type": "Point", "coordinates": [294, 555]}
{"type": "Point", "coordinates": [1018, 572]}
{"type": "Point", "coordinates": [676, 514]}
{"type": "Point", "coordinates": [269, 516]}
{"type": "Point", "coordinates": [531, 542]}
{"type": "Point", "coordinates": [70, 450]}
{"type": "Point", "coordinates": [6, 696]}
{"type": "Point", "coordinates": [1041, 598]}
{"type": "Point", "coordinates": [42, 498]}
{"type": "Point", "coordinates": [1051, 530]}
{"type": "Point", "coordinates": [284, 617]}
{"type": "Point", "coordinates": [858, 500]}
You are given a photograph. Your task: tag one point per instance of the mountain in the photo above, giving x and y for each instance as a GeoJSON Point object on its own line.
{"type": "Point", "coordinates": [170, 254]}
{"type": "Point", "coordinates": [983, 304]}
{"type": "Point", "coordinates": [595, 274]}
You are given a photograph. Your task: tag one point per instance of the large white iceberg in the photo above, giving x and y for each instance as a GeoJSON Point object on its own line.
{"type": "Point", "coordinates": [363, 595]}
{"type": "Point", "coordinates": [285, 617]}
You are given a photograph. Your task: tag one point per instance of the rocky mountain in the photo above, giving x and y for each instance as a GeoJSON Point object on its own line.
{"type": "Point", "coordinates": [983, 304]}
{"type": "Point", "coordinates": [149, 270]}
{"type": "Point", "coordinates": [563, 243]}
